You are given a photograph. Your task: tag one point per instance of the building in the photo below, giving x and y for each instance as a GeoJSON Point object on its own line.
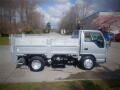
{"type": "Point", "coordinates": [87, 22]}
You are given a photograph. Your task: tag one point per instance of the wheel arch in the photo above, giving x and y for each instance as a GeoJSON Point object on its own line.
{"type": "Point", "coordinates": [84, 55]}
{"type": "Point", "coordinates": [29, 56]}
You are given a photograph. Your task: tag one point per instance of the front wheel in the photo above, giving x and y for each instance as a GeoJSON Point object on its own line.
{"type": "Point", "coordinates": [36, 64]}
{"type": "Point", "coordinates": [88, 62]}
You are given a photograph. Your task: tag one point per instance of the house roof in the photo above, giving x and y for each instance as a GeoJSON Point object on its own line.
{"type": "Point", "coordinates": [108, 13]}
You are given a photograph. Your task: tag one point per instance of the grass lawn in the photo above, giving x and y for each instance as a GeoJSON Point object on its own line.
{"type": "Point", "coordinates": [4, 40]}
{"type": "Point", "coordinates": [65, 85]}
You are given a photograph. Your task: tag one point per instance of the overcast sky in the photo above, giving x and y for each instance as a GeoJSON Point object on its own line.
{"type": "Point", "coordinates": [54, 10]}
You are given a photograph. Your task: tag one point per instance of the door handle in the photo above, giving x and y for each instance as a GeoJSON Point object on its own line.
{"type": "Point", "coordinates": [85, 48]}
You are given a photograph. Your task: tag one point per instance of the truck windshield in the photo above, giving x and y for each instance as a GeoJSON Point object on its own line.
{"type": "Point", "coordinates": [95, 37]}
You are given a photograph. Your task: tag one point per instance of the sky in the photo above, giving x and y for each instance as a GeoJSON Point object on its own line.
{"type": "Point", "coordinates": [54, 10]}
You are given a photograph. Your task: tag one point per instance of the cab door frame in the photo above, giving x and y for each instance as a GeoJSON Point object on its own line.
{"type": "Point", "coordinates": [90, 48]}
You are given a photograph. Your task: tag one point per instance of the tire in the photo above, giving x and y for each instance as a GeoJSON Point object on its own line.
{"type": "Point", "coordinates": [88, 62]}
{"type": "Point", "coordinates": [36, 64]}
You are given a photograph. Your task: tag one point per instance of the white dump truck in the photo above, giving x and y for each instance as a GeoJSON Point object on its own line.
{"type": "Point", "coordinates": [83, 48]}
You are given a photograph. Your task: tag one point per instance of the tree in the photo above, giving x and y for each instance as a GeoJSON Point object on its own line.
{"type": "Point", "coordinates": [68, 22]}
{"type": "Point", "coordinates": [29, 16]}
{"type": "Point", "coordinates": [27, 30]}
{"type": "Point", "coordinates": [105, 22]}
{"type": "Point", "coordinates": [16, 14]}
{"type": "Point", "coordinates": [37, 20]}
{"type": "Point", "coordinates": [73, 19]}
{"type": "Point", "coordinates": [7, 16]}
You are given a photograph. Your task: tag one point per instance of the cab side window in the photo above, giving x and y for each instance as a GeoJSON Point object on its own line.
{"type": "Point", "coordinates": [98, 39]}
{"type": "Point", "coordinates": [88, 37]}
{"type": "Point", "coordinates": [95, 37]}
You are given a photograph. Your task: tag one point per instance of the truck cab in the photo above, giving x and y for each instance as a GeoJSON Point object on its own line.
{"type": "Point", "coordinates": [93, 42]}
{"type": "Point", "coordinates": [93, 48]}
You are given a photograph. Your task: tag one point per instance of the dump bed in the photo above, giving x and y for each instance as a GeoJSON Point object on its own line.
{"type": "Point", "coordinates": [44, 44]}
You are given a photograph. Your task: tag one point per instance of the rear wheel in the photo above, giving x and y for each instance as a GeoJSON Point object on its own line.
{"type": "Point", "coordinates": [88, 62]}
{"type": "Point", "coordinates": [36, 64]}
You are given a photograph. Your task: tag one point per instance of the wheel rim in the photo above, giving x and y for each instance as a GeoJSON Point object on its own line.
{"type": "Point", "coordinates": [36, 64]}
{"type": "Point", "coordinates": [88, 63]}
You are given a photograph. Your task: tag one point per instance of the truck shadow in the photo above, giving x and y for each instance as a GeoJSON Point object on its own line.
{"type": "Point", "coordinates": [104, 74]}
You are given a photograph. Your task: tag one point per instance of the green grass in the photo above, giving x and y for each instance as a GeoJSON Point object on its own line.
{"type": "Point", "coordinates": [4, 40]}
{"type": "Point", "coordinates": [65, 85]}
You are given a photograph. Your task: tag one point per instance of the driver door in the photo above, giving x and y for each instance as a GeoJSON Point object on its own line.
{"type": "Point", "coordinates": [94, 44]}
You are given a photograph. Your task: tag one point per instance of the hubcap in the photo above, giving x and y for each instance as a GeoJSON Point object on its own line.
{"type": "Point", "coordinates": [36, 64]}
{"type": "Point", "coordinates": [88, 63]}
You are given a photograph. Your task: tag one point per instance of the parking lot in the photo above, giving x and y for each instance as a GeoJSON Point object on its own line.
{"type": "Point", "coordinates": [108, 70]}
